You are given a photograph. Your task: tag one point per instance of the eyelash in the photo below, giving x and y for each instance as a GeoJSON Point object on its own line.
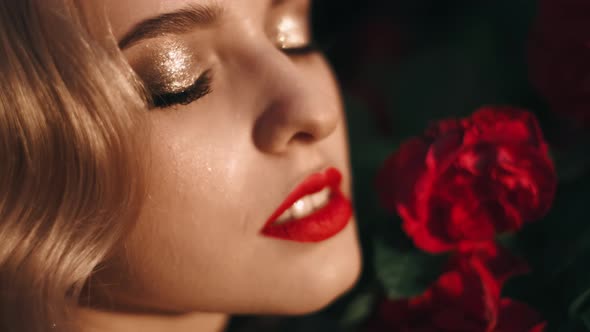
{"type": "Point", "coordinates": [202, 85]}
{"type": "Point", "coordinates": [307, 49]}
{"type": "Point", "coordinates": [197, 90]}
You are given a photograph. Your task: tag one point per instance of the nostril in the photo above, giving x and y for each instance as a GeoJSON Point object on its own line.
{"type": "Point", "coordinates": [302, 137]}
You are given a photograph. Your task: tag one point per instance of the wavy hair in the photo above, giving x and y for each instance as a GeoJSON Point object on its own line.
{"type": "Point", "coordinates": [71, 178]}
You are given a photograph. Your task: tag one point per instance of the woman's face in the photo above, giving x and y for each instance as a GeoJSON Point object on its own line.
{"type": "Point", "coordinates": [244, 113]}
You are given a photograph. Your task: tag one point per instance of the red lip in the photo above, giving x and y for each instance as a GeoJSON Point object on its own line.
{"type": "Point", "coordinates": [323, 223]}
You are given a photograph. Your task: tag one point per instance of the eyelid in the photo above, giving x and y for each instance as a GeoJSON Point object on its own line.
{"type": "Point", "coordinates": [290, 28]}
{"type": "Point", "coordinates": [167, 65]}
{"type": "Point", "coordinates": [199, 89]}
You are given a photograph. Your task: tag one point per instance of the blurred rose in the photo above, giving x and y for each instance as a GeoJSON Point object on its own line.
{"type": "Point", "coordinates": [500, 263]}
{"type": "Point", "coordinates": [518, 317]}
{"type": "Point", "coordinates": [466, 298]}
{"type": "Point", "coordinates": [559, 50]}
{"type": "Point", "coordinates": [468, 180]}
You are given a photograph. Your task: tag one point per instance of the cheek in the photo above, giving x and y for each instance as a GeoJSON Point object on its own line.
{"type": "Point", "coordinates": [191, 208]}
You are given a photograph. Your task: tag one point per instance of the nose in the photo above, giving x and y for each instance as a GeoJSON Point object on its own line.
{"type": "Point", "coordinates": [303, 107]}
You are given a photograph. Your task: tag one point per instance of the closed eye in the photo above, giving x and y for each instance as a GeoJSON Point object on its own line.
{"type": "Point", "coordinates": [306, 49]}
{"type": "Point", "coordinates": [197, 90]}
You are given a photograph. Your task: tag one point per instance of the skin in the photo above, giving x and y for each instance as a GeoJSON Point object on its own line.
{"type": "Point", "coordinates": [218, 168]}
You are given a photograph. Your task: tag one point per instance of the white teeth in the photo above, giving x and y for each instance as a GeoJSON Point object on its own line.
{"type": "Point", "coordinates": [286, 216]}
{"type": "Point", "coordinates": [302, 207]}
{"type": "Point", "coordinates": [305, 206]}
{"type": "Point", "coordinates": [320, 199]}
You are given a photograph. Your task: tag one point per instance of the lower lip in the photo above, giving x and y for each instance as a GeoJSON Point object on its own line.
{"type": "Point", "coordinates": [320, 225]}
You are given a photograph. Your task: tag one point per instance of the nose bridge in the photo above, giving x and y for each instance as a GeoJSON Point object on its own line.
{"type": "Point", "coordinates": [296, 107]}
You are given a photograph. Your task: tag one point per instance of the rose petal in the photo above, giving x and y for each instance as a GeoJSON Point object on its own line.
{"type": "Point", "coordinates": [518, 317]}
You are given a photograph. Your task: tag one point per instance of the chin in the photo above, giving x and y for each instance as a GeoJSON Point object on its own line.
{"type": "Point", "coordinates": [323, 286]}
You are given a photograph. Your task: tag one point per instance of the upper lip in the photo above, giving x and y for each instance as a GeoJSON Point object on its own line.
{"type": "Point", "coordinates": [312, 184]}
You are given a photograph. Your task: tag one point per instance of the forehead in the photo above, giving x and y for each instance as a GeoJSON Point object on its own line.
{"type": "Point", "coordinates": [124, 14]}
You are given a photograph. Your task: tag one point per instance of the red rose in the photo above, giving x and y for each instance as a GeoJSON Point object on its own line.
{"type": "Point", "coordinates": [468, 180]}
{"type": "Point", "coordinates": [500, 263]}
{"type": "Point", "coordinates": [513, 317]}
{"type": "Point", "coordinates": [559, 50]}
{"type": "Point", "coordinates": [463, 299]}
{"type": "Point", "coordinates": [518, 317]}
{"type": "Point", "coordinates": [466, 298]}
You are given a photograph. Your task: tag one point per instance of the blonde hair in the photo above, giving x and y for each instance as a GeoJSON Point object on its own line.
{"type": "Point", "coordinates": [71, 179]}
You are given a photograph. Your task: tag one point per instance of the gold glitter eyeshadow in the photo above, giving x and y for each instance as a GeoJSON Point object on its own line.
{"type": "Point", "coordinates": [290, 31]}
{"type": "Point", "coordinates": [171, 67]}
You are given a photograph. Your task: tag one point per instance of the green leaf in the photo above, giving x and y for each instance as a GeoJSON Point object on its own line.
{"type": "Point", "coordinates": [359, 309]}
{"type": "Point", "coordinates": [405, 274]}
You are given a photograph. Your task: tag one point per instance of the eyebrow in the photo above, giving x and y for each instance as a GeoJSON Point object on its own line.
{"type": "Point", "coordinates": [178, 22]}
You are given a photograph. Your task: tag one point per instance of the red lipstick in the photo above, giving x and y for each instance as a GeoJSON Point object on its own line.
{"type": "Point", "coordinates": [321, 224]}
